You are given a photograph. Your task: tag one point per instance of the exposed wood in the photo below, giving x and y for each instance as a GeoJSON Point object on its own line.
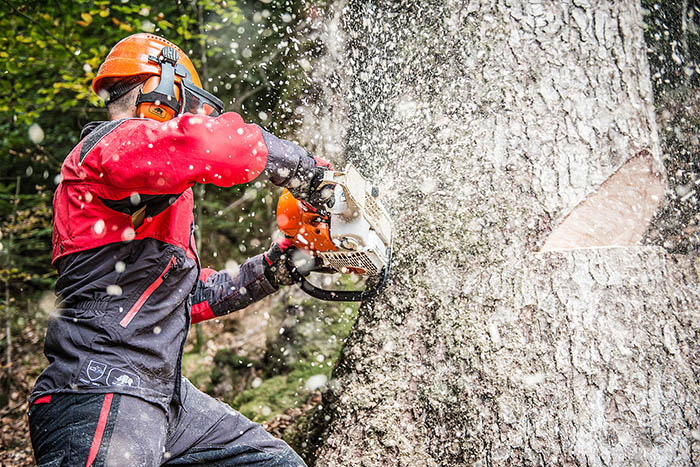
{"type": "Point", "coordinates": [617, 213]}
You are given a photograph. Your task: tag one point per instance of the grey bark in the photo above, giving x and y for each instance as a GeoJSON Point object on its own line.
{"type": "Point", "coordinates": [487, 123]}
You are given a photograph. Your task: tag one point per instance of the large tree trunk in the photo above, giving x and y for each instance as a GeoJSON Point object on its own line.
{"type": "Point", "coordinates": [500, 129]}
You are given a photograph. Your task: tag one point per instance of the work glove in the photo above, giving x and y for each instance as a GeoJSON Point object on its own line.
{"type": "Point", "coordinates": [281, 269]}
{"type": "Point", "coordinates": [310, 189]}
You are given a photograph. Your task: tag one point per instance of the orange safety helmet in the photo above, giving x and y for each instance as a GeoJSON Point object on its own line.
{"type": "Point", "coordinates": [172, 85]}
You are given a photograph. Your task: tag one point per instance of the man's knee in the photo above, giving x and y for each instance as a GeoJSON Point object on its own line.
{"type": "Point", "coordinates": [209, 431]}
{"type": "Point", "coordinates": [240, 455]}
{"type": "Point", "coordinates": [288, 458]}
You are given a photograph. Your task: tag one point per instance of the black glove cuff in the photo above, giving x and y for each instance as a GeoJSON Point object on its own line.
{"type": "Point", "coordinates": [279, 267]}
{"type": "Point", "coordinates": [306, 183]}
{"type": "Point", "coordinates": [270, 276]}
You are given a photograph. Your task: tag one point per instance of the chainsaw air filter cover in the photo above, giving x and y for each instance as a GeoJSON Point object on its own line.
{"type": "Point", "coordinates": [353, 237]}
{"type": "Point", "coordinates": [360, 247]}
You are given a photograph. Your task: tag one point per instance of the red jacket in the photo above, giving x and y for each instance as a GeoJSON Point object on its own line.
{"type": "Point", "coordinates": [129, 276]}
{"type": "Point", "coordinates": [120, 168]}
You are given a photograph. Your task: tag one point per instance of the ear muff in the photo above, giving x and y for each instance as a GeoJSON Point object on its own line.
{"type": "Point", "coordinates": [173, 92]}
{"type": "Point", "coordinates": [155, 104]}
{"type": "Point", "coordinates": [159, 99]}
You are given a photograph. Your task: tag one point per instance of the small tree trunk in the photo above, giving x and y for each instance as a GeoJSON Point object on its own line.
{"type": "Point", "coordinates": [8, 308]}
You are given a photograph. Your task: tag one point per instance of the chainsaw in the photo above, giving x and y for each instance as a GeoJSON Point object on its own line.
{"type": "Point", "coordinates": [353, 236]}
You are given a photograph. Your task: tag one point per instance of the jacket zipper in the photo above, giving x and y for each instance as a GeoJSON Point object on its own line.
{"type": "Point", "coordinates": [136, 307]}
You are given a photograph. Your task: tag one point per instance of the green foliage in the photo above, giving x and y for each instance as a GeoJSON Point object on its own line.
{"type": "Point", "coordinates": [276, 394]}
{"type": "Point", "coordinates": [246, 52]}
{"type": "Point", "coordinates": [236, 222]}
{"type": "Point", "coordinates": [307, 345]}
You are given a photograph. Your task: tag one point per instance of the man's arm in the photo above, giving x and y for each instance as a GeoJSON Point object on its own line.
{"type": "Point", "coordinates": [150, 157]}
{"type": "Point", "coordinates": [220, 293]}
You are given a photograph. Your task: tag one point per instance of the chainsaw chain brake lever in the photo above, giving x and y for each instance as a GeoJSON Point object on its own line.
{"type": "Point", "coordinates": [319, 205]}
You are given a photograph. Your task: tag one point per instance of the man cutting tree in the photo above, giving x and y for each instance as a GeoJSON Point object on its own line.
{"type": "Point", "coordinates": [129, 279]}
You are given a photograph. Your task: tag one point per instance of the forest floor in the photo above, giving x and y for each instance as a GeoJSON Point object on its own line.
{"type": "Point", "coordinates": [273, 394]}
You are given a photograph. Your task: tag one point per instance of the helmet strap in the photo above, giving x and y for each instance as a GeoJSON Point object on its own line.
{"type": "Point", "coordinates": [124, 86]}
{"type": "Point", "coordinates": [164, 93]}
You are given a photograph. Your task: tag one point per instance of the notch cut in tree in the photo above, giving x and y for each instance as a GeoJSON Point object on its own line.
{"type": "Point", "coordinates": [617, 213]}
{"type": "Point", "coordinates": [487, 122]}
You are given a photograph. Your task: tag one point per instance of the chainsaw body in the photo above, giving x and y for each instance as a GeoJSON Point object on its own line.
{"type": "Point", "coordinates": [352, 237]}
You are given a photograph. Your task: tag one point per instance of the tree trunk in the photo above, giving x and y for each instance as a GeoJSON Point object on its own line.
{"type": "Point", "coordinates": [492, 125]}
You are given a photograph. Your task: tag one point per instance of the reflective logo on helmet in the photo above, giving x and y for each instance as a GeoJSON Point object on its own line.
{"type": "Point", "coordinates": [156, 110]}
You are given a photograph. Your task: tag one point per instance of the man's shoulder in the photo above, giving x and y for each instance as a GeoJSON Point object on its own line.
{"type": "Point", "coordinates": [89, 127]}
{"type": "Point", "coordinates": [94, 134]}
{"type": "Point", "coordinates": [77, 161]}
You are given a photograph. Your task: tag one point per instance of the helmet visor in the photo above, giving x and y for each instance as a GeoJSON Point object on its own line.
{"type": "Point", "coordinates": [196, 100]}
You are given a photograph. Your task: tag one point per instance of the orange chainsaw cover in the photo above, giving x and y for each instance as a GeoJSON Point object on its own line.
{"type": "Point", "coordinates": [307, 229]}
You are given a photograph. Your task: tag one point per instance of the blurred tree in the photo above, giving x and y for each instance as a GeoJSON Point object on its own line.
{"type": "Point", "coordinates": [672, 34]}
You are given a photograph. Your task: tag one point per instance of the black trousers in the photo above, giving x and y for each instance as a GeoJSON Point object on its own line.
{"type": "Point", "coordinates": [120, 430]}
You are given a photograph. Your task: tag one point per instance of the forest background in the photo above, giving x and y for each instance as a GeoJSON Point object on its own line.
{"type": "Point", "coordinates": [271, 360]}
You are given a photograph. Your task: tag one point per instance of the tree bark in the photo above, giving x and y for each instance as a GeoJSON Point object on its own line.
{"type": "Point", "coordinates": [487, 123]}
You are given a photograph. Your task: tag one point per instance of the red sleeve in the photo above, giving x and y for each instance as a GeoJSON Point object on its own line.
{"type": "Point", "coordinates": [202, 311]}
{"type": "Point", "coordinates": [321, 162]}
{"type": "Point", "coordinates": [154, 157]}
{"type": "Point", "coordinates": [205, 273]}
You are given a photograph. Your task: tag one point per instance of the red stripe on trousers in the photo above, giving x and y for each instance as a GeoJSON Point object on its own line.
{"type": "Point", "coordinates": [101, 423]}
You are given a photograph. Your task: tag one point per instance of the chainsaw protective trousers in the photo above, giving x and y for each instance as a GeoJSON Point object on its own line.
{"type": "Point", "coordinates": [121, 430]}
